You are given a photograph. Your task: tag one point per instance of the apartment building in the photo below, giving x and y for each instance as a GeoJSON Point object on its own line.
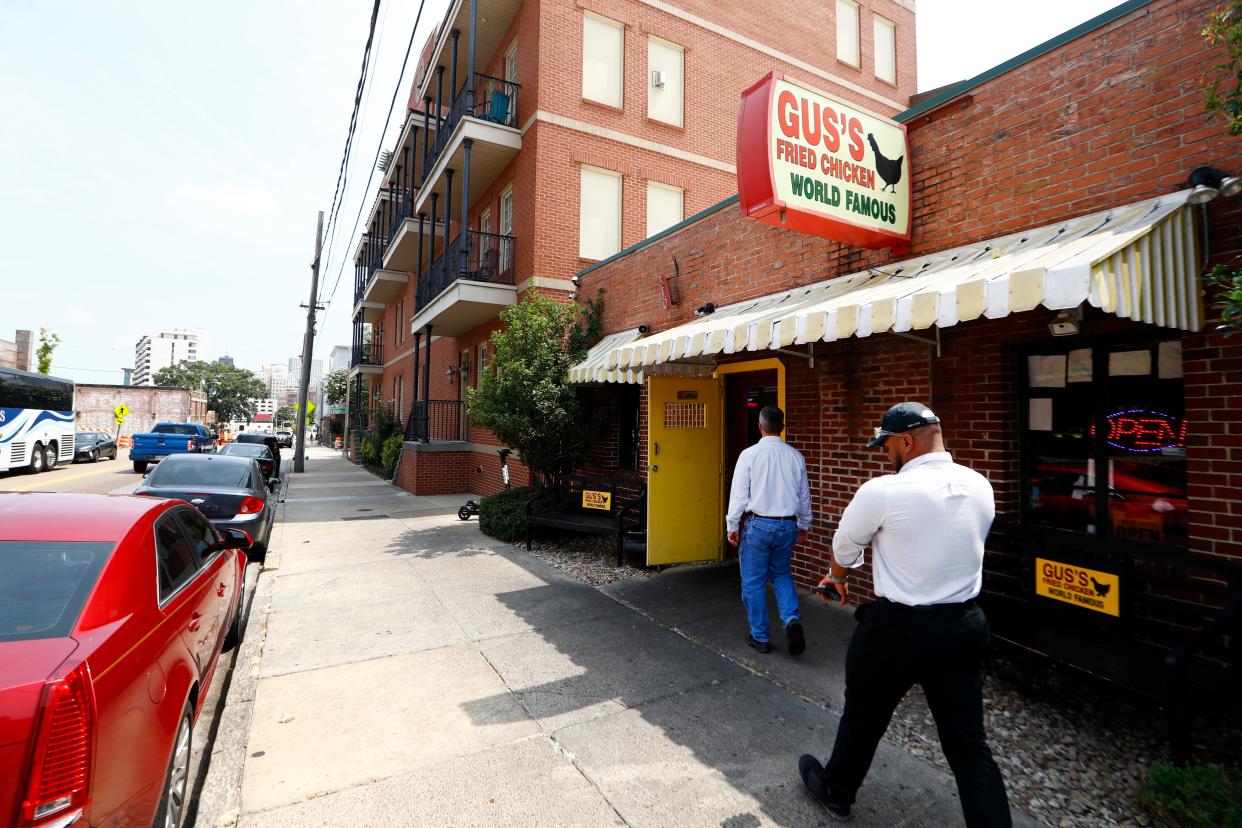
{"type": "Point", "coordinates": [161, 349]}
{"type": "Point", "coordinates": [547, 135]}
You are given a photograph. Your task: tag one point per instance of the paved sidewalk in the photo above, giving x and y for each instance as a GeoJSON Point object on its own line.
{"type": "Point", "coordinates": [400, 668]}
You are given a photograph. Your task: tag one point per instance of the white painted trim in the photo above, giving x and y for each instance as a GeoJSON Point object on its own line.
{"type": "Point", "coordinates": [476, 130]}
{"type": "Point", "coordinates": [398, 358]}
{"type": "Point", "coordinates": [770, 52]}
{"type": "Point", "coordinates": [630, 140]}
{"type": "Point", "coordinates": [546, 282]}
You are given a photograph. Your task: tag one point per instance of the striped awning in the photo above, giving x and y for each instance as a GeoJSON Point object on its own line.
{"type": "Point", "coordinates": [595, 367]}
{"type": "Point", "coordinates": [1140, 262]}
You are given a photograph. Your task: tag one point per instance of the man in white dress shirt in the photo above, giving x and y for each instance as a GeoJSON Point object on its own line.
{"type": "Point", "coordinates": [926, 526]}
{"type": "Point", "coordinates": [770, 489]}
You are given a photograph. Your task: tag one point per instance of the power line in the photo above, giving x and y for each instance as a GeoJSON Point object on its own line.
{"type": "Point", "coordinates": [341, 176]}
{"type": "Point", "coordinates": [378, 149]}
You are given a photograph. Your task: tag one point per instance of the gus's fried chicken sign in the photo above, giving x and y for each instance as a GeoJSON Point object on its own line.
{"type": "Point", "coordinates": [810, 163]}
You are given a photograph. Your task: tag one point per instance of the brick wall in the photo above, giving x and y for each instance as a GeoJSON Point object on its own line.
{"type": "Point", "coordinates": [148, 405]}
{"type": "Point", "coordinates": [433, 472]}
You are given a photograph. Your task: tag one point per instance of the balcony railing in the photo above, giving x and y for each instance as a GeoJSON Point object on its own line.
{"type": "Point", "coordinates": [371, 353]}
{"type": "Point", "coordinates": [434, 420]}
{"type": "Point", "coordinates": [489, 99]}
{"type": "Point", "coordinates": [402, 200]}
{"type": "Point", "coordinates": [478, 257]}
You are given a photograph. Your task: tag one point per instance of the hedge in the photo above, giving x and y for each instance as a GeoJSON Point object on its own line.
{"type": "Point", "coordinates": [503, 516]}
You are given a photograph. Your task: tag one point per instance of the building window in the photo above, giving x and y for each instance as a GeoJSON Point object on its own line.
{"type": "Point", "coordinates": [505, 255]}
{"type": "Point", "coordinates": [482, 364]}
{"type": "Point", "coordinates": [1112, 411]}
{"type": "Point", "coordinates": [847, 32]}
{"type": "Point", "coordinates": [603, 42]}
{"type": "Point", "coordinates": [665, 206]}
{"type": "Point", "coordinates": [599, 214]}
{"type": "Point", "coordinates": [485, 221]}
{"type": "Point", "coordinates": [665, 81]}
{"type": "Point", "coordinates": [511, 74]}
{"type": "Point", "coordinates": [885, 32]}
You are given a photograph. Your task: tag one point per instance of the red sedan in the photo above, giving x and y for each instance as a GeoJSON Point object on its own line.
{"type": "Point", "coordinates": [113, 615]}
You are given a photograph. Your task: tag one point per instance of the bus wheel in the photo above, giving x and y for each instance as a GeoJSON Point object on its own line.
{"type": "Point", "coordinates": [51, 456]}
{"type": "Point", "coordinates": [37, 459]}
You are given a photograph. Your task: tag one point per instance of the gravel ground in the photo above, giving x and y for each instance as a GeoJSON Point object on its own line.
{"type": "Point", "coordinates": [1072, 755]}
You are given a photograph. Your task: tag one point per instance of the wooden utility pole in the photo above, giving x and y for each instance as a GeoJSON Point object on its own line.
{"type": "Point", "coordinates": [308, 348]}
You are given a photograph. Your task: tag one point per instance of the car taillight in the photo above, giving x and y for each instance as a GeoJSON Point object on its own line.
{"type": "Point", "coordinates": [250, 505]}
{"type": "Point", "coordinates": [189, 445]}
{"type": "Point", "coordinates": [61, 770]}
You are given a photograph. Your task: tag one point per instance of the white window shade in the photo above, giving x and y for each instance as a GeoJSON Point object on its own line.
{"type": "Point", "coordinates": [599, 214]}
{"type": "Point", "coordinates": [603, 42]}
{"type": "Point", "coordinates": [665, 207]}
{"type": "Point", "coordinates": [885, 49]}
{"type": "Point", "coordinates": [665, 81]}
{"type": "Point", "coordinates": [847, 32]}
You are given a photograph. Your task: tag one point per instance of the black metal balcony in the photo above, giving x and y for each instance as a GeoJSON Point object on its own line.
{"type": "Point", "coordinates": [434, 420]}
{"type": "Point", "coordinates": [473, 256]}
{"type": "Point", "coordinates": [371, 353]}
{"type": "Point", "coordinates": [490, 99]}
{"type": "Point", "coordinates": [402, 201]}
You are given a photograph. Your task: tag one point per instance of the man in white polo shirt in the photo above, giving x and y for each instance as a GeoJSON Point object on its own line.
{"type": "Point", "coordinates": [926, 526]}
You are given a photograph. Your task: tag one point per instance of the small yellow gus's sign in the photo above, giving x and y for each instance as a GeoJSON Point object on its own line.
{"type": "Point", "coordinates": [596, 500]}
{"type": "Point", "coordinates": [1088, 588]}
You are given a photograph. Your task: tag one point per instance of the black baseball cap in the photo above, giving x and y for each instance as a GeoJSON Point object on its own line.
{"type": "Point", "coordinates": [901, 418]}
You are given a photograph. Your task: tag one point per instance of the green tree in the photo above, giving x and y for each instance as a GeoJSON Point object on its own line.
{"type": "Point", "coordinates": [1224, 89]}
{"type": "Point", "coordinates": [47, 344]}
{"type": "Point", "coordinates": [285, 415]}
{"type": "Point", "coordinates": [336, 387]}
{"type": "Point", "coordinates": [526, 401]}
{"type": "Point", "coordinates": [231, 392]}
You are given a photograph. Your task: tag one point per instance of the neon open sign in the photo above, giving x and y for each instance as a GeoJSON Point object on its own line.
{"type": "Point", "coordinates": [1144, 431]}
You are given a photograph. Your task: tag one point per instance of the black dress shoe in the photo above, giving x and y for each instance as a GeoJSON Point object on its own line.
{"type": "Point", "coordinates": [761, 646]}
{"type": "Point", "coordinates": [817, 784]}
{"type": "Point", "coordinates": [795, 637]}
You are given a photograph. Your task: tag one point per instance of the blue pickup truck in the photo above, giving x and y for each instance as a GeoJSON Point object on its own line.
{"type": "Point", "coordinates": [170, 438]}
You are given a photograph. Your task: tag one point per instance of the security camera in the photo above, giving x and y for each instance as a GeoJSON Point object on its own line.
{"type": "Point", "coordinates": [1066, 322]}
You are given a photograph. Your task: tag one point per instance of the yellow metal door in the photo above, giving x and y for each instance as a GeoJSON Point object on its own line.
{"type": "Point", "coordinates": [685, 441]}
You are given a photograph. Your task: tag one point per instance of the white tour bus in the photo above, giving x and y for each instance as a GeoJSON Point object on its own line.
{"type": "Point", "coordinates": [36, 421]}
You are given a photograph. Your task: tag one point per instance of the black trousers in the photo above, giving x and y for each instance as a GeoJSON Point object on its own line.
{"type": "Point", "coordinates": [941, 649]}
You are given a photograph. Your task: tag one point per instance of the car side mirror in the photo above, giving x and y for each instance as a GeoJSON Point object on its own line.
{"type": "Point", "coordinates": [273, 483]}
{"type": "Point", "coordinates": [235, 539]}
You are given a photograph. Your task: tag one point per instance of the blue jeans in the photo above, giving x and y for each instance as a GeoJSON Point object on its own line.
{"type": "Point", "coordinates": [763, 556]}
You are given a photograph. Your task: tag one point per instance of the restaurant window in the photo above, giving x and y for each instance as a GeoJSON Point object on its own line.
{"type": "Point", "coordinates": [602, 63]}
{"type": "Point", "coordinates": [847, 32]}
{"type": "Point", "coordinates": [599, 214]}
{"type": "Point", "coordinates": [1104, 441]}
{"type": "Point", "coordinates": [885, 36]}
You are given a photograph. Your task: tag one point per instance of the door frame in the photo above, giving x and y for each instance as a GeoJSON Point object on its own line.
{"type": "Point", "coordinates": [746, 367]}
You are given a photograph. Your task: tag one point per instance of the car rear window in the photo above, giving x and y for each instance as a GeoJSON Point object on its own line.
{"type": "Point", "coordinates": [175, 429]}
{"type": "Point", "coordinates": [199, 471]}
{"type": "Point", "coordinates": [246, 450]}
{"type": "Point", "coordinates": [43, 586]}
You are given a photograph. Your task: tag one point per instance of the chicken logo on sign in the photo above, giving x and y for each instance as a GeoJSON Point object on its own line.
{"type": "Point", "coordinates": [803, 164]}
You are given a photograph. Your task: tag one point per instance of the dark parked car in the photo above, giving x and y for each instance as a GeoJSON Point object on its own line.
{"type": "Point", "coordinates": [93, 446]}
{"type": "Point", "coordinates": [113, 614]}
{"type": "Point", "coordinates": [231, 492]}
{"type": "Point", "coordinates": [255, 451]}
{"type": "Point", "coordinates": [268, 440]}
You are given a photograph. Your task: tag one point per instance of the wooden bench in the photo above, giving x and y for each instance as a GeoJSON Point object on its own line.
{"type": "Point", "coordinates": [1174, 644]}
{"type": "Point", "coordinates": [588, 504]}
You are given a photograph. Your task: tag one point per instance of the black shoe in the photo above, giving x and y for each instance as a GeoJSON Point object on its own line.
{"type": "Point", "coordinates": [761, 646]}
{"type": "Point", "coordinates": [813, 777]}
{"type": "Point", "coordinates": [795, 637]}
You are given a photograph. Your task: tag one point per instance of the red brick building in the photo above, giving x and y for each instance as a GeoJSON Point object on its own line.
{"type": "Point", "coordinates": [1051, 189]}
{"type": "Point", "coordinates": [545, 135]}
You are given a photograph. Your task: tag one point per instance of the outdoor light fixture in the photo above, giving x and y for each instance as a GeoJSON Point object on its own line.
{"type": "Point", "coordinates": [1209, 182]}
{"type": "Point", "coordinates": [573, 296]}
{"type": "Point", "coordinates": [576, 279]}
{"type": "Point", "coordinates": [709, 308]}
{"type": "Point", "coordinates": [452, 374]}
{"type": "Point", "coordinates": [1066, 322]}
{"type": "Point", "coordinates": [465, 370]}
{"type": "Point", "coordinates": [643, 329]}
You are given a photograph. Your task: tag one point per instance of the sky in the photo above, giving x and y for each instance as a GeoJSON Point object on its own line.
{"type": "Point", "coordinates": [162, 163]}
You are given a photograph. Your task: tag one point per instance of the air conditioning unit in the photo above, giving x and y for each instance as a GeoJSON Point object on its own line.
{"type": "Point", "coordinates": [658, 78]}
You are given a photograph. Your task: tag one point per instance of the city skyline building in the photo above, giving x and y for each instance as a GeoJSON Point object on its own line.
{"type": "Point", "coordinates": [163, 348]}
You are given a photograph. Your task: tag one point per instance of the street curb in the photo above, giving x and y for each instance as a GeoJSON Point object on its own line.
{"type": "Point", "coordinates": [219, 800]}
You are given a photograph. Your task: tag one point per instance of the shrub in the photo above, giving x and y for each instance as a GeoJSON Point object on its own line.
{"type": "Point", "coordinates": [503, 516]}
{"type": "Point", "coordinates": [390, 453]}
{"type": "Point", "coordinates": [1200, 796]}
{"type": "Point", "coordinates": [370, 449]}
